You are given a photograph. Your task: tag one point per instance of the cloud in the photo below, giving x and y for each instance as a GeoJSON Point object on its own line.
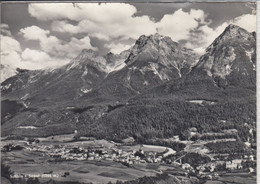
{"type": "Point", "coordinates": [6, 72]}
{"type": "Point", "coordinates": [46, 41]}
{"type": "Point", "coordinates": [12, 57]}
{"type": "Point", "coordinates": [104, 21]}
{"type": "Point", "coordinates": [64, 26]}
{"type": "Point", "coordinates": [246, 21]}
{"type": "Point", "coordinates": [189, 28]}
{"type": "Point", "coordinates": [192, 29]}
{"type": "Point", "coordinates": [53, 51]}
{"type": "Point", "coordinates": [35, 56]}
{"type": "Point", "coordinates": [95, 12]}
{"type": "Point", "coordinates": [132, 27]}
{"type": "Point", "coordinates": [208, 34]}
{"type": "Point", "coordinates": [34, 33]}
{"type": "Point", "coordinates": [72, 49]}
{"type": "Point", "coordinates": [115, 25]}
{"type": "Point", "coordinates": [9, 44]}
{"type": "Point", "coordinates": [179, 24]}
{"type": "Point", "coordinates": [35, 59]}
{"type": "Point", "coordinates": [100, 36]}
{"type": "Point", "coordinates": [117, 48]}
{"type": "Point", "coordinates": [10, 51]}
{"type": "Point", "coordinates": [54, 46]}
{"type": "Point", "coordinates": [4, 30]}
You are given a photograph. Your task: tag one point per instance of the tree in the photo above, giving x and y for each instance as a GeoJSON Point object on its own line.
{"type": "Point", "coordinates": [5, 171]}
{"type": "Point", "coordinates": [185, 135]}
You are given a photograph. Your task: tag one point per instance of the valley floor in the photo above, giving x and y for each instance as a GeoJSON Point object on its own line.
{"type": "Point", "coordinates": [101, 161]}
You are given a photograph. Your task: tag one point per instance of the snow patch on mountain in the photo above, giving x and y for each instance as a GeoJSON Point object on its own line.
{"type": "Point", "coordinates": [85, 90]}
{"type": "Point", "coordinates": [249, 54]}
{"type": "Point", "coordinates": [85, 72]}
{"type": "Point", "coordinates": [116, 66]}
{"type": "Point", "coordinates": [153, 67]}
{"type": "Point", "coordinates": [25, 96]}
{"type": "Point", "coordinates": [5, 87]}
{"type": "Point", "coordinates": [27, 127]}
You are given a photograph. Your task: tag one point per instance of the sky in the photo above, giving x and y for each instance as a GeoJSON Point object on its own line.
{"type": "Point", "coordinates": [49, 35]}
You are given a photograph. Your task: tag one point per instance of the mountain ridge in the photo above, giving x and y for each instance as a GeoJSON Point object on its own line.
{"type": "Point", "coordinates": [147, 89]}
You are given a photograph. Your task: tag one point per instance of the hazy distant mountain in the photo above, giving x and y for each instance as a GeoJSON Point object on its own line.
{"type": "Point", "coordinates": [116, 62]}
{"type": "Point", "coordinates": [6, 72]}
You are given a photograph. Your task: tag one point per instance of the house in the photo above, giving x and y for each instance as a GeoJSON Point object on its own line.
{"type": "Point", "coordinates": [142, 161]}
{"type": "Point", "coordinates": [119, 151]}
{"type": "Point", "coordinates": [251, 170]}
{"type": "Point", "coordinates": [212, 166]}
{"type": "Point", "coordinates": [237, 161]}
{"type": "Point", "coordinates": [91, 158]}
{"type": "Point", "coordinates": [186, 166]}
{"type": "Point", "coordinates": [231, 165]}
{"type": "Point", "coordinates": [131, 162]}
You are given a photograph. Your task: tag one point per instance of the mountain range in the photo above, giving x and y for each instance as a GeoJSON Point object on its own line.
{"type": "Point", "coordinates": [157, 88]}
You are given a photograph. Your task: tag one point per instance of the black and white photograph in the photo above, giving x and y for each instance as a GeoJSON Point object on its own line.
{"type": "Point", "coordinates": [128, 92]}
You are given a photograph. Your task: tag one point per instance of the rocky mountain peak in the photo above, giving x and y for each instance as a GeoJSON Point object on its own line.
{"type": "Point", "coordinates": [233, 33]}
{"type": "Point", "coordinates": [88, 57]}
{"type": "Point", "coordinates": [231, 58]}
{"type": "Point", "coordinates": [155, 39]}
{"type": "Point", "coordinates": [86, 54]}
{"type": "Point", "coordinates": [152, 46]}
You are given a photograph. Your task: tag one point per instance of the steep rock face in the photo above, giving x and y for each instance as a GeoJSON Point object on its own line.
{"type": "Point", "coordinates": [231, 58]}
{"type": "Point", "coordinates": [153, 60]}
{"type": "Point", "coordinates": [161, 51]}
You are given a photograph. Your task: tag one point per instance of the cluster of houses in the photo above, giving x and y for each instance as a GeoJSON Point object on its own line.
{"type": "Point", "coordinates": [212, 167]}
{"type": "Point", "coordinates": [135, 157]}
{"type": "Point", "coordinates": [129, 157]}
